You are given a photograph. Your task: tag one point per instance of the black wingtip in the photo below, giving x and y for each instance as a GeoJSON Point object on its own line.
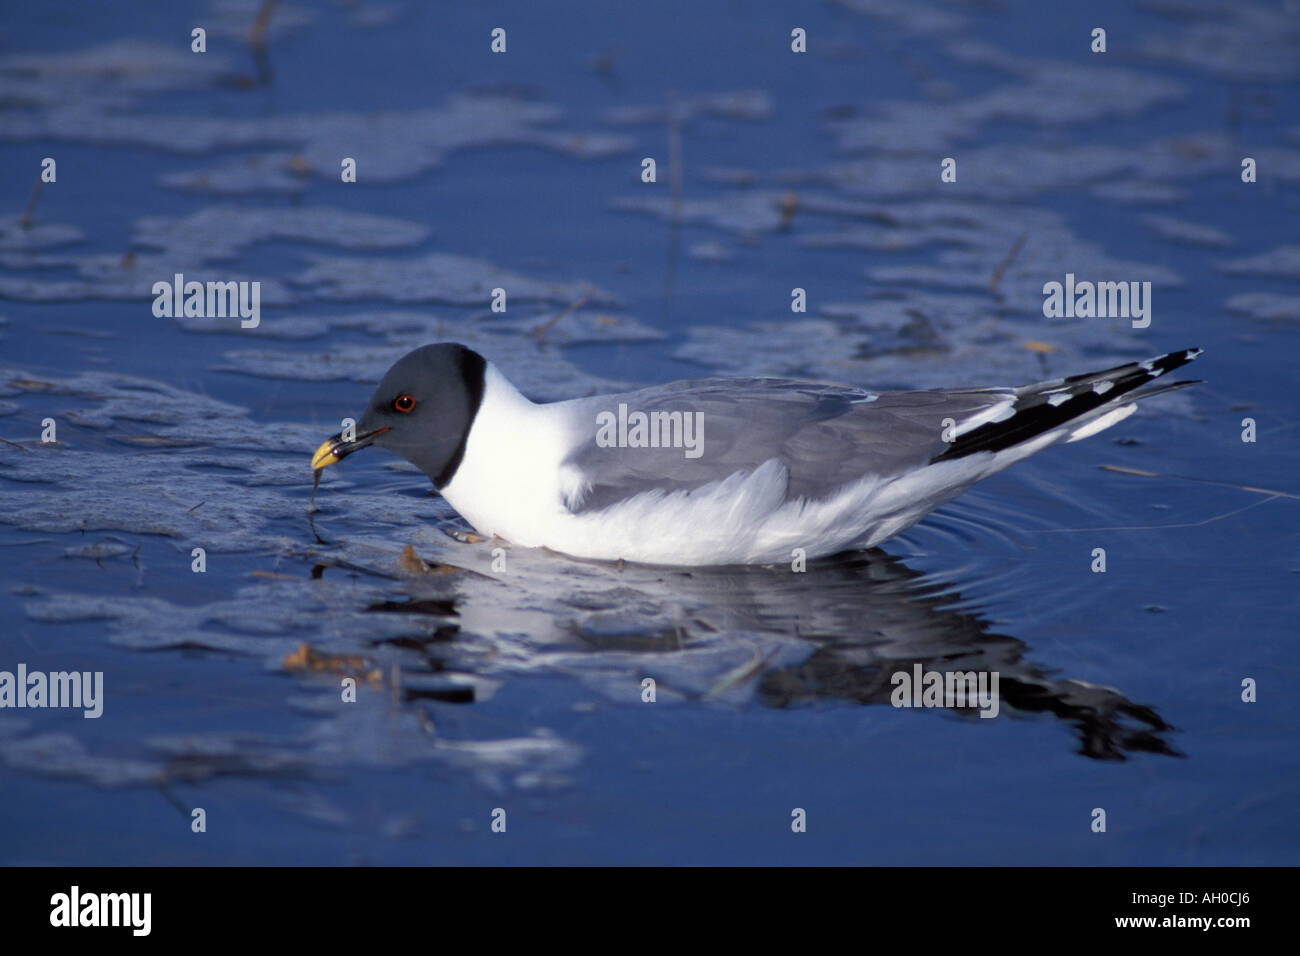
{"type": "Point", "coordinates": [1049, 405]}
{"type": "Point", "coordinates": [1171, 360]}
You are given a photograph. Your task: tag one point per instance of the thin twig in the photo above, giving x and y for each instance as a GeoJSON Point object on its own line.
{"type": "Point", "coordinates": [257, 34]}
{"type": "Point", "coordinates": [545, 326]}
{"type": "Point", "coordinates": [1272, 496]}
{"type": "Point", "coordinates": [1002, 266]}
{"type": "Point", "coordinates": [1207, 481]}
{"type": "Point", "coordinates": [26, 219]}
{"type": "Point", "coordinates": [1154, 527]}
{"type": "Point", "coordinates": [257, 40]}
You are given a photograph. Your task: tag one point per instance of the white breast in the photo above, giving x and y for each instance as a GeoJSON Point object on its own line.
{"type": "Point", "coordinates": [510, 482]}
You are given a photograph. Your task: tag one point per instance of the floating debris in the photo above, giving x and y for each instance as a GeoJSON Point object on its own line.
{"type": "Point", "coordinates": [306, 658]}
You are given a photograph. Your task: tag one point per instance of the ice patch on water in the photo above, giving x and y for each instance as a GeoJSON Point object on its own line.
{"type": "Point", "coordinates": [526, 348]}
{"type": "Point", "coordinates": [1241, 41]}
{"type": "Point", "coordinates": [1191, 233]}
{"type": "Point", "coordinates": [17, 236]}
{"type": "Point", "coordinates": [1265, 305]}
{"type": "Point", "coordinates": [910, 16]}
{"type": "Point", "coordinates": [1050, 93]}
{"type": "Point", "coordinates": [1283, 262]}
{"type": "Point", "coordinates": [436, 277]}
{"type": "Point", "coordinates": [235, 19]}
{"type": "Point", "coordinates": [739, 105]}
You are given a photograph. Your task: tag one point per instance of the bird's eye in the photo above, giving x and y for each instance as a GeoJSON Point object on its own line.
{"type": "Point", "coordinates": [404, 403]}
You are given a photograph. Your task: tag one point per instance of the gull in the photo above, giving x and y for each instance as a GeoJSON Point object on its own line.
{"type": "Point", "coordinates": [717, 471]}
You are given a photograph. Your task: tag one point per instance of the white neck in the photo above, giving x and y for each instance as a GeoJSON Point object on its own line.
{"type": "Point", "coordinates": [509, 480]}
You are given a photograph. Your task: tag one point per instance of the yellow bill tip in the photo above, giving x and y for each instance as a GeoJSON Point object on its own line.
{"type": "Point", "coordinates": [324, 455]}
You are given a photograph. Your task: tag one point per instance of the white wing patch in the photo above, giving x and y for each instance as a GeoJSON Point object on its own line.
{"type": "Point", "coordinates": [994, 413]}
{"type": "Point", "coordinates": [1102, 422]}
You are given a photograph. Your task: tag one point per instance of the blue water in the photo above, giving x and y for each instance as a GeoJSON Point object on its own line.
{"type": "Point", "coordinates": [1122, 690]}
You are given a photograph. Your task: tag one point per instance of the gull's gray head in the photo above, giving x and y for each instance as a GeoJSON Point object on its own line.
{"type": "Point", "coordinates": [422, 411]}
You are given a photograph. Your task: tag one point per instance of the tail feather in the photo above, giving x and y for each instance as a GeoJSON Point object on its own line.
{"type": "Point", "coordinates": [1092, 401]}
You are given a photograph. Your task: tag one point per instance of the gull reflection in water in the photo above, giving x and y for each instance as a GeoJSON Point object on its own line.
{"type": "Point", "coordinates": [841, 630]}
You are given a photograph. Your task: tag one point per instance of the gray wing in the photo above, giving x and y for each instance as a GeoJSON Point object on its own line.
{"type": "Point", "coordinates": [825, 436]}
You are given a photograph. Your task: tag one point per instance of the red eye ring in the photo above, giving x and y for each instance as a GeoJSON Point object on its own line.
{"type": "Point", "coordinates": [404, 403]}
